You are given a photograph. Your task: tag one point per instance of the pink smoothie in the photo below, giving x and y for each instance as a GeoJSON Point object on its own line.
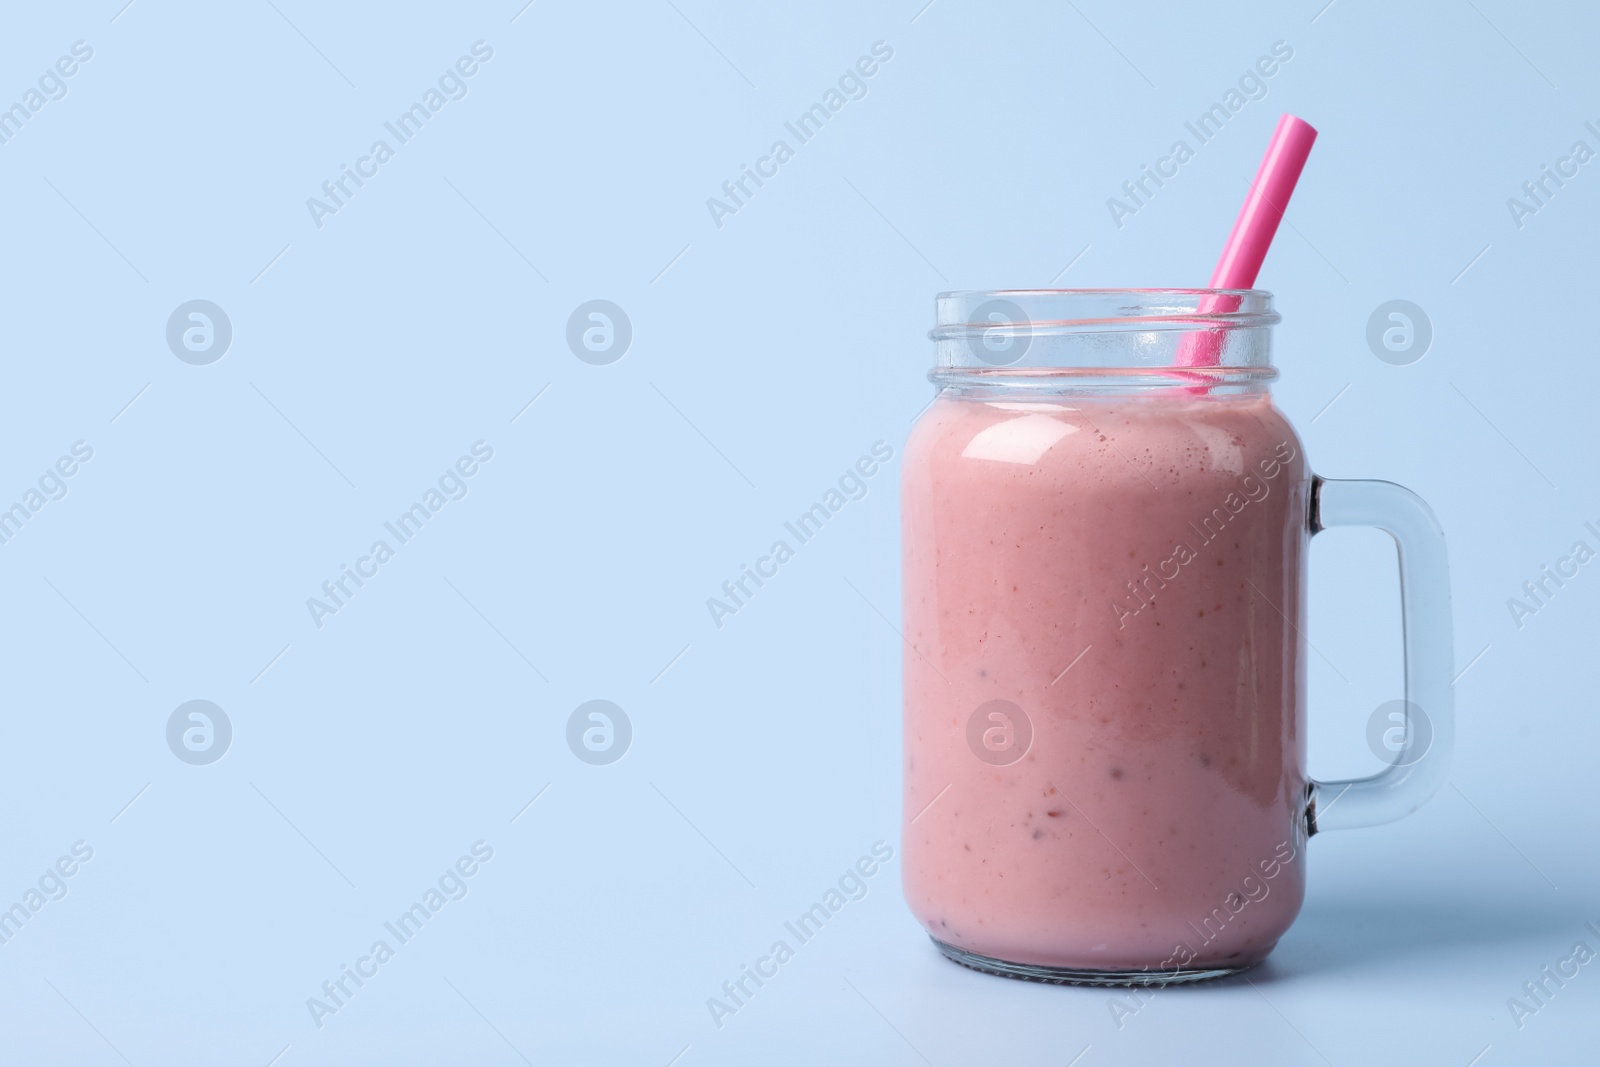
{"type": "Point", "coordinates": [1150, 548]}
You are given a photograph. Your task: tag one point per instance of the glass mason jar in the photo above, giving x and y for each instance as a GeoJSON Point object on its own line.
{"type": "Point", "coordinates": [1105, 663]}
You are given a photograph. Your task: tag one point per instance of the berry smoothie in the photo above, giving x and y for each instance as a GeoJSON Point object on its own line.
{"type": "Point", "coordinates": [1104, 760]}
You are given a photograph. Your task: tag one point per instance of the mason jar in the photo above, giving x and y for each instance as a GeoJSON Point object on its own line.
{"type": "Point", "coordinates": [1104, 582]}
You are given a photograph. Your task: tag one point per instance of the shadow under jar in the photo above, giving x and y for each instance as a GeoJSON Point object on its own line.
{"type": "Point", "coordinates": [1104, 606]}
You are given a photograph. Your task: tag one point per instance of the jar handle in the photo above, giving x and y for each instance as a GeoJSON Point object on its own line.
{"type": "Point", "coordinates": [1429, 711]}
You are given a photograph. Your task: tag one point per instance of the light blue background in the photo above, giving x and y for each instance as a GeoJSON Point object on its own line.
{"type": "Point", "coordinates": [767, 356]}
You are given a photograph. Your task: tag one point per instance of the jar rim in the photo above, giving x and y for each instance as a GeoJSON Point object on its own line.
{"type": "Point", "coordinates": [1043, 312]}
{"type": "Point", "coordinates": [1111, 339]}
{"type": "Point", "coordinates": [1106, 289]}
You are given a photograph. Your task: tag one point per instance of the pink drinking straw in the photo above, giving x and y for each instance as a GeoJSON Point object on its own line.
{"type": "Point", "coordinates": [1252, 232]}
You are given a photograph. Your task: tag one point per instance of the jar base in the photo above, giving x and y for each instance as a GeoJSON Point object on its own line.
{"type": "Point", "coordinates": [1033, 972]}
